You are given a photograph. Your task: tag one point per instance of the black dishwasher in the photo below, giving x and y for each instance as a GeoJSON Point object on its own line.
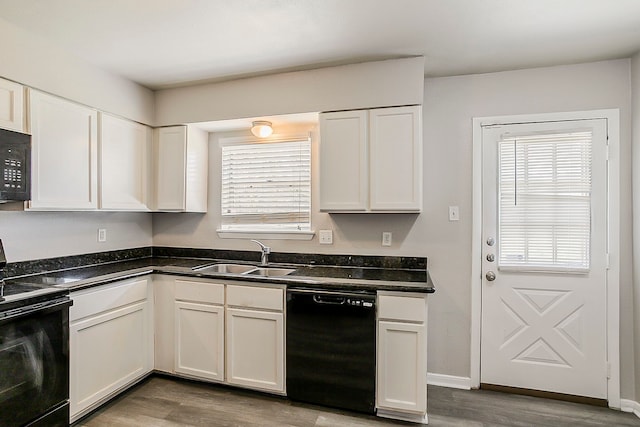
{"type": "Point", "coordinates": [331, 348]}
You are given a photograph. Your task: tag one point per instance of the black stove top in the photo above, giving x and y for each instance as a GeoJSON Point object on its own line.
{"type": "Point", "coordinates": [15, 293]}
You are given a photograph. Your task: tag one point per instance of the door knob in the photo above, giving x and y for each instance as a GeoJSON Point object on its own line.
{"type": "Point", "coordinates": [491, 241]}
{"type": "Point", "coordinates": [491, 276]}
{"type": "Point", "coordinates": [491, 257]}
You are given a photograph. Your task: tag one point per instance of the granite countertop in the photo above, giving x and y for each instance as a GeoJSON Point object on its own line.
{"type": "Point", "coordinates": [304, 275]}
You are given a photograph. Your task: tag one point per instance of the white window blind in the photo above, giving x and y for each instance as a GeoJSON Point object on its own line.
{"type": "Point", "coordinates": [266, 186]}
{"type": "Point", "coordinates": [545, 202]}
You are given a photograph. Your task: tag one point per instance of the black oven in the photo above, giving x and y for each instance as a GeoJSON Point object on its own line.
{"type": "Point", "coordinates": [34, 360]}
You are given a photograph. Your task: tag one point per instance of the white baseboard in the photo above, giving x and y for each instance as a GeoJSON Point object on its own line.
{"type": "Point", "coordinates": [450, 381]}
{"type": "Point", "coordinates": [627, 405]}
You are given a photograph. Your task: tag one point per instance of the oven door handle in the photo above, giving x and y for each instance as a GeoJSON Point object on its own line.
{"type": "Point", "coordinates": [35, 308]}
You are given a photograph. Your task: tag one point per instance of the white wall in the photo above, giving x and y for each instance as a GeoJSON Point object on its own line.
{"type": "Point", "coordinates": [635, 86]}
{"type": "Point", "coordinates": [365, 85]}
{"type": "Point", "coordinates": [449, 106]}
{"type": "Point", "coordinates": [33, 61]}
{"type": "Point", "coordinates": [37, 235]}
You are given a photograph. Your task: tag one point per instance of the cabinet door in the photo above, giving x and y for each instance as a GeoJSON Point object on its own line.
{"type": "Point", "coordinates": [124, 164]}
{"type": "Point", "coordinates": [108, 351]}
{"type": "Point", "coordinates": [11, 106]}
{"type": "Point", "coordinates": [344, 170]}
{"type": "Point", "coordinates": [171, 151]}
{"type": "Point", "coordinates": [395, 143]}
{"type": "Point", "coordinates": [64, 158]}
{"type": "Point", "coordinates": [402, 367]}
{"type": "Point", "coordinates": [255, 349]}
{"type": "Point", "coordinates": [199, 335]}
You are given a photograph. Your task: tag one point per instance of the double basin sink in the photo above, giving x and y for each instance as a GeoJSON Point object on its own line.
{"type": "Point", "coordinates": [244, 270]}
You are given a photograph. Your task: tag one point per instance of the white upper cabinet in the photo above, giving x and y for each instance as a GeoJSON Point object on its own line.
{"type": "Point", "coordinates": [344, 169]}
{"type": "Point", "coordinates": [181, 162]}
{"type": "Point", "coordinates": [125, 148]}
{"type": "Point", "coordinates": [11, 106]}
{"type": "Point", "coordinates": [371, 160]}
{"type": "Point", "coordinates": [395, 159]}
{"type": "Point", "coordinates": [64, 158]}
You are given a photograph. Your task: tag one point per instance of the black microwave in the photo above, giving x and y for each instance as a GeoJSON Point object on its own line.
{"type": "Point", "coordinates": [15, 163]}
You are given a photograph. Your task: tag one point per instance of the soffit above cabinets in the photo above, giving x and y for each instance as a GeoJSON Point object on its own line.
{"type": "Point", "coordinates": [280, 121]}
{"type": "Point", "coordinates": [179, 42]}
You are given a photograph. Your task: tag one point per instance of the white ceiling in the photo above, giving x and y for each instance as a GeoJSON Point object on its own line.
{"type": "Point", "coordinates": [165, 43]}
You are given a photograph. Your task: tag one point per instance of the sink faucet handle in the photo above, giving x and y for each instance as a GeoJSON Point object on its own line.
{"type": "Point", "coordinates": [266, 249]}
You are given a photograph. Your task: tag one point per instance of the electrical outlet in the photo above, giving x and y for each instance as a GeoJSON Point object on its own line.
{"type": "Point", "coordinates": [386, 238]}
{"type": "Point", "coordinates": [102, 234]}
{"type": "Point", "coordinates": [326, 237]}
{"type": "Point", "coordinates": [454, 213]}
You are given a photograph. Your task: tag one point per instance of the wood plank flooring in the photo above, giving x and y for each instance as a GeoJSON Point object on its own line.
{"type": "Point", "coordinates": [166, 402]}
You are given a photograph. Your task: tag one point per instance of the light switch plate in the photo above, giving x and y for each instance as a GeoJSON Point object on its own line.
{"type": "Point", "coordinates": [326, 237]}
{"type": "Point", "coordinates": [454, 213]}
{"type": "Point", "coordinates": [102, 234]}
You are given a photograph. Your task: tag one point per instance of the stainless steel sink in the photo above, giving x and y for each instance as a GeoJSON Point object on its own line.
{"type": "Point", "coordinates": [225, 268]}
{"type": "Point", "coordinates": [270, 271]}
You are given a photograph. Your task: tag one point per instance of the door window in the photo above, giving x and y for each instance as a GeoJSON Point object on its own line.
{"type": "Point", "coordinates": [544, 201]}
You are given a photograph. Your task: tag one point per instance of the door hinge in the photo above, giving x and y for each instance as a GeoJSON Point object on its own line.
{"type": "Point", "coordinates": [608, 370]}
{"type": "Point", "coordinates": [608, 261]}
{"type": "Point", "coordinates": [607, 152]}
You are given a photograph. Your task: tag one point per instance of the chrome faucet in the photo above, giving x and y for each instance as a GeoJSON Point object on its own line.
{"type": "Point", "coordinates": [266, 250]}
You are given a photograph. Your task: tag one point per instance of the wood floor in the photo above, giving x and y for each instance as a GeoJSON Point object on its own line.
{"type": "Point", "coordinates": [160, 402]}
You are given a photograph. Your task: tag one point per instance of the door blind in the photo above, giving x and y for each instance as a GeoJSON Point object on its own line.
{"type": "Point", "coordinates": [266, 185]}
{"type": "Point", "coordinates": [544, 219]}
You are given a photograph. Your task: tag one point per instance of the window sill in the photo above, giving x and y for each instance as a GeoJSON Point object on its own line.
{"type": "Point", "coordinates": [266, 234]}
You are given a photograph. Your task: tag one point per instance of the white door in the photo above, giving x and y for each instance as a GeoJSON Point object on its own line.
{"type": "Point", "coordinates": [64, 157]}
{"type": "Point", "coordinates": [395, 146]}
{"type": "Point", "coordinates": [344, 168]}
{"type": "Point", "coordinates": [124, 164]}
{"type": "Point", "coordinates": [199, 335]}
{"type": "Point", "coordinates": [544, 257]}
{"type": "Point", "coordinates": [255, 349]}
{"type": "Point", "coordinates": [171, 157]}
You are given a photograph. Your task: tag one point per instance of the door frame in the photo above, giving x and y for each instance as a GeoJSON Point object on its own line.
{"type": "Point", "coordinates": [613, 236]}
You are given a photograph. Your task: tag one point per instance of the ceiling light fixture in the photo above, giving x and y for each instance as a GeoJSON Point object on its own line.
{"type": "Point", "coordinates": [261, 128]}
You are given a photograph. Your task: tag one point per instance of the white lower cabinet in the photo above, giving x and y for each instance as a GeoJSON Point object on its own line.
{"type": "Point", "coordinates": [255, 344]}
{"type": "Point", "coordinates": [199, 329]}
{"type": "Point", "coordinates": [213, 331]}
{"type": "Point", "coordinates": [255, 337]}
{"type": "Point", "coordinates": [111, 341]}
{"type": "Point", "coordinates": [224, 331]}
{"type": "Point", "coordinates": [402, 356]}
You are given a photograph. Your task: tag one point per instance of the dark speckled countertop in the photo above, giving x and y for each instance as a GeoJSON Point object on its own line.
{"type": "Point", "coordinates": [349, 277]}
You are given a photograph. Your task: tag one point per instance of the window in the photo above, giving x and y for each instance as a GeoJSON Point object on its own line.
{"type": "Point", "coordinates": [545, 201]}
{"type": "Point", "coordinates": [266, 186]}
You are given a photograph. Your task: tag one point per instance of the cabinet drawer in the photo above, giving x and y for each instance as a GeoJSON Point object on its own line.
{"type": "Point", "coordinates": [211, 293]}
{"type": "Point", "coordinates": [254, 297]}
{"type": "Point", "coordinates": [406, 308]}
{"type": "Point", "coordinates": [107, 297]}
